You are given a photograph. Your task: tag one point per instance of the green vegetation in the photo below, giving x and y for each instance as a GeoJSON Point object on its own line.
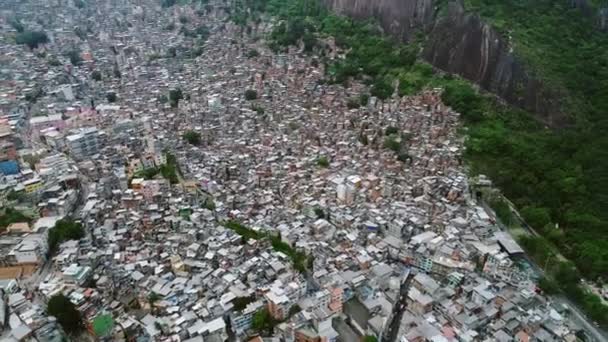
{"type": "Point", "coordinates": [16, 196]}
{"type": "Point", "coordinates": [53, 61]}
{"type": "Point", "coordinates": [353, 103]}
{"type": "Point", "coordinates": [11, 215]}
{"type": "Point", "coordinates": [502, 209]}
{"type": "Point", "coordinates": [201, 32]}
{"type": "Point", "coordinates": [251, 94]}
{"type": "Point", "coordinates": [562, 276]}
{"type": "Point", "coordinates": [192, 137]}
{"type": "Point", "coordinates": [96, 75]}
{"type": "Point", "coordinates": [147, 173]}
{"type": "Point", "coordinates": [263, 322]}
{"type": "Point", "coordinates": [319, 213]}
{"type": "Point", "coordinates": [167, 3]}
{"type": "Point", "coordinates": [253, 53]}
{"type": "Point", "coordinates": [299, 259]}
{"type": "Point", "coordinates": [391, 130]}
{"type": "Point", "coordinates": [559, 174]}
{"type": "Point", "coordinates": [175, 95]}
{"type": "Point", "coordinates": [258, 109]}
{"type": "Point", "coordinates": [32, 39]}
{"type": "Point", "coordinates": [74, 56]}
{"type": "Point", "coordinates": [172, 52]}
{"type": "Point", "coordinates": [17, 25]}
{"type": "Point", "coordinates": [170, 169]}
{"type": "Point", "coordinates": [241, 303]}
{"type": "Point", "coordinates": [111, 97]}
{"type": "Point", "coordinates": [66, 313]}
{"type": "Point", "coordinates": [393, 143]}
{"type": "Point", "coordinates": [294, 309]}
{"type": "Point", "coordinates": [323, 161]}
{"type": "Point", "coordinates": [554, 177]}
{"type": "Point", "coordinates": [64, 230]}
{"type": "Point", "coordinates": [243, 231]}
{"type": "Point", "coordinates": [369, 338]}
{"type": "Point", "coordinates": [209, 204]}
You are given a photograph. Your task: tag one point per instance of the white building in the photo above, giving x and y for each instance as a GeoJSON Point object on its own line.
{"type": "Point", "coordinates": [84, 144]}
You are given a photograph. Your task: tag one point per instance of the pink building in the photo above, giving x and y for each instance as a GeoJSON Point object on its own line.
{"type": "Point", "coordinates": [39, 123]}
{"type": "Point", "coordinates": [335, 303]}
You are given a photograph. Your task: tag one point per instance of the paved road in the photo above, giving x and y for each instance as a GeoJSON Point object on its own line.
{"type": "Point", "coordinates": [577, 314]}
{"type": "Point", "coordinates": [346, 333]}
{"type": "Point", "coordinates": [390, 335]}
{"type": "Point", "coordinates": [581, 319]}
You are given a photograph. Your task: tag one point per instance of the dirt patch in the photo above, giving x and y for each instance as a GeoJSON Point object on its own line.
{"type": "Point", "coordinates": [11, 272]}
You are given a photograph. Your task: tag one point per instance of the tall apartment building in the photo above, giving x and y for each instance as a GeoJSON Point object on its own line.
{"type": "Point", "coordinates": [83, 144]}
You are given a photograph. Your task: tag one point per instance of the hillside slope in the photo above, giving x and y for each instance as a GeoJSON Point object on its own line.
{"type": "Point", "coordinates": [461, 41]}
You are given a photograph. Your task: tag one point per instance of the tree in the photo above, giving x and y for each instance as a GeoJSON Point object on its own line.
{"type": "Point", "coordinates": [32, 38]}
{"type": "Point", "coordinates": [251, 94]}
{"type": "Point", "coordinates": [64, 230]}
{"type": "Point", "coordinates": [323, 161]}
{"type": "Point", "coordinates": [392, 143]}
{"type": "Point", "coordinates": [391, 130]}
{"type": "Point", "coordinates": [96, 75]}
{"type": "Point", "coordinates": [253, 53]}
{"type": "Point", "coordinates": [167, 3]}
{"type": "Point", "coordinates": [353, 103]}
{"type": "Point", "coordinates": [209, 204]}
{"type": "Point", "coordinates": [66, 313]}
{"type": "Point", "coordinates": [294, 309]}
{"type": "Point", "coordinates": [548, 286]}
{"type": "Point", "coordinates": [17, 25]}
{"type": "Point", "coordinates": [263, 322]}
{"type": "Point", "coordinates": [319, 213]}
{"type": "Point", "coordinates": [172, 52]}
{"type": "Point", "coordinates": [241, 303]}
{"type": "Point", "coordinates": [363, 139]}
{"type": "Point", "coordinates": [369, 338]}
{"type": "Point", "coordinates": [74, 56]}
{"type": "Point", "coordinates": [192, 137]}
{"type": "Point", "coordinates": [153, 297]}
{"type": "Point", "coordinates": [111, 97]}
{"type": "Point", "coordinates": [536, 217]}
{"type": "Point", "coordinates": [11, 215]}
{"type": "Point", "coordinates": [382, 89]}
{"type": "Point", "coordinates": [175, 95]}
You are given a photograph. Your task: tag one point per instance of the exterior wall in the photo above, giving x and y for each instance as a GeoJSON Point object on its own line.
{"type": "Point", "coordinates": [26, 257]}
{"type": "Point", "coordinates": [276, 310]}
{"type": "Point", "coordinates": [301, 337]}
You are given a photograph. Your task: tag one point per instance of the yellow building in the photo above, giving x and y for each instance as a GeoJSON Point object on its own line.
{"type": "Point", "coordinates": [33, 185]}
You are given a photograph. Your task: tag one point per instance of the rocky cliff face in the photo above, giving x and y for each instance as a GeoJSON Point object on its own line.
{"type": "Point", "coordinates": [461, 43]}
{"type": "Point", "coordinates": [398, 18]}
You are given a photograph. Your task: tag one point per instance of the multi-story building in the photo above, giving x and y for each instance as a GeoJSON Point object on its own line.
{"type": "Point", "coordinates": [31, 250]}
{"type": "Point", "coordinates": [278, 303]}
{"type": "Point", "coordinates": [241, 321]}
{"type": "Point", "coordinates": [83, 144]}
{"type": "Point", "coordinates": [33, 185]}
{"type": "Point", "coordinates": [53, 165]}
{"type": "Point", "coordinates": [39, 123]}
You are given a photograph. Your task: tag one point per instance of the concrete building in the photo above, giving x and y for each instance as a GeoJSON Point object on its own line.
{"type": "Point", "coordinates": [83, 144]}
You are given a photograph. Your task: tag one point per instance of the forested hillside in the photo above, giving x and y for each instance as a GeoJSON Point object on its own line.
{"type": "Point", "coordinates": [558, 176]}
